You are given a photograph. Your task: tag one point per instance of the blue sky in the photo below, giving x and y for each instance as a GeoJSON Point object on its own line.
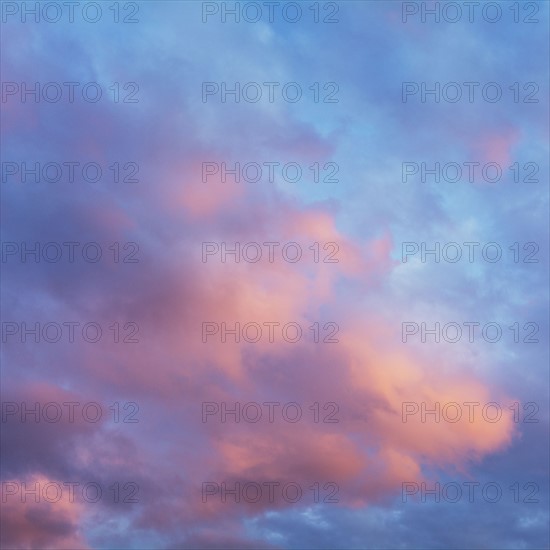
{"type": "Point", "coordinates": [169, 292]}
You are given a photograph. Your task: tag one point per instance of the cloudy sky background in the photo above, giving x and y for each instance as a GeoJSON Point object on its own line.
{"type": "Point", "coordinates": [369, 292]}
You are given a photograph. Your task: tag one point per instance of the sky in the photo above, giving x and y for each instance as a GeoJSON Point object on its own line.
{"type": "Point", "coordinates": [274, 275]}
